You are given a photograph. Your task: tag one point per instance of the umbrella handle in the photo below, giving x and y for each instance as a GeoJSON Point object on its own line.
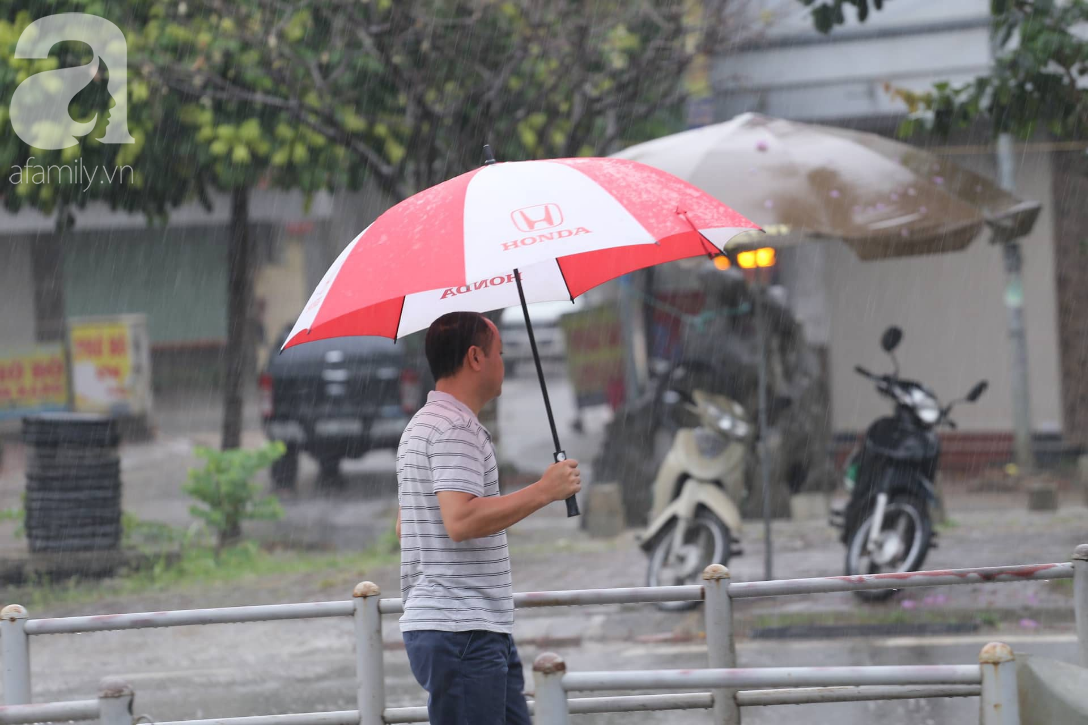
{"type": "Point", "coordinates": [572, 503]}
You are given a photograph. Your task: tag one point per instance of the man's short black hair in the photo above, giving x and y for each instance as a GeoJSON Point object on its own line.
{"type": "Point", "coordinates": [449, 338]}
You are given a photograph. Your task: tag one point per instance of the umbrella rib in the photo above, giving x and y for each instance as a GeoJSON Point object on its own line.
{"type": "Point", "coordinates": [702, 237]}
{"type": "Point", "coordinates": [563, 277]}
{"type": "Point", "coordinates": [400, 316]}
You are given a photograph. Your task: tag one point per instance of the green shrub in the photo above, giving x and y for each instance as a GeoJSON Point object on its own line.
{"type": "Point", "coordinates": [226, 494]}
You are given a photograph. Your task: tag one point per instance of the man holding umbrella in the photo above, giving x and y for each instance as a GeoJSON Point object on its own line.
{"type": "Point", "coordinates": [499, 236]}
{"type": "Point", "coordinates": [455, 566]}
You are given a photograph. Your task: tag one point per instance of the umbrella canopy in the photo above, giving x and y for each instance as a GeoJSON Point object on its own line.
{"type": "Point", "coordinates": [510, 233]}
{"type": "Point", "coordinates": [567, 225]}
{"type": "Point", "coordinates": [883, 198]}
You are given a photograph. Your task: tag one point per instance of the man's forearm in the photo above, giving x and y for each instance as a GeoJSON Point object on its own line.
{"type": "Point", "coordinates": [484, 516]}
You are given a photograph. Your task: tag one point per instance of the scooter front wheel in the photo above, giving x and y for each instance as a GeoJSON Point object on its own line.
{"type": "Point", "coordinates": [706, 541]}
{"type": "Point", "coordinates": [901, 546]}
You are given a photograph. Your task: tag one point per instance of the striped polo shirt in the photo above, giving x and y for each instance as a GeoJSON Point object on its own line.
{"type": "Point", "coordinates": [448, 585]}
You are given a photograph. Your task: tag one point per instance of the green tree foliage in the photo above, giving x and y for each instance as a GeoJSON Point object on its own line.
{"type": "Point", "coordinates": [412, 89]}
{"type": "Point", "coordinates": [45, 179]}
{"type": "Point", "coordinates": [826, 14]}
{"type": "Point", "coordinates": [185, 144]}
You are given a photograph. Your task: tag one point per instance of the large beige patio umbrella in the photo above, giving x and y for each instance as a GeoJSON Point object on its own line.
{"type": "Point", "coordinates": [803, 181]}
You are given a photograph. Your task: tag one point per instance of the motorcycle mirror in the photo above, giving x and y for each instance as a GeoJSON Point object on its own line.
{"type": "Point", "coordinates": [977, 391]}
{"type": "Point", "coordinates": [891, 338]}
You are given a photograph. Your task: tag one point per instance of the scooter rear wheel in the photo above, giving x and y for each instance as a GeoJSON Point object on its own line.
{"type": "Point", "coordinates": [706, 541]}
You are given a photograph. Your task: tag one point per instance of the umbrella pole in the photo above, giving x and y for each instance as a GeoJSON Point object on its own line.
{"type": "Point", "coordinates": [764, 468]}
{"type": "Point", "coordinates": [572, 504]}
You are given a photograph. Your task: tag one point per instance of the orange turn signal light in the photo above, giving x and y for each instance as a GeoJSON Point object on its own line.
{"type": "Point", "coordinates": [764, 257]}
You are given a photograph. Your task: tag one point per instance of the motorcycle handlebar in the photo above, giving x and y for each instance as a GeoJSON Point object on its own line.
{"type": "Point", "coordinates": [863, 372]}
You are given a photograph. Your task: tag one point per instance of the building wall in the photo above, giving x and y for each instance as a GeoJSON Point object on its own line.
{"type": "Point", "coordinates": [792, 71]}
{"type": "Point", "coordinates": [266, 205]}
{"type": "Point", "coordinates": [281, 284]}
{"type": "Point", "coordinates": [16, 294]}
{"type": "Point", "coordinates": [177, 276]}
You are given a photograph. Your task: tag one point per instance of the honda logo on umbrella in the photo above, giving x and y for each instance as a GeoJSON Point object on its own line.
{"type": "Point", "coordinates": [541, 216]}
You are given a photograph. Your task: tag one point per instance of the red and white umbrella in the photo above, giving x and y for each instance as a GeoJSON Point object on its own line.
{"type": "Point", "coordinates": [505, 234]}
{"type": "Point", "coordinates": [567, 225]}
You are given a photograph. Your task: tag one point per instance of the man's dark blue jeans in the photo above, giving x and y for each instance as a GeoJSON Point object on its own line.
{"type": "Point", "coordinates": [473, 678]}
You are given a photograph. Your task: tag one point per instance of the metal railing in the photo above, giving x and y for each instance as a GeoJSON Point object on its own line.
{"type": "Point", "coordinates": [990, 678]}
{"type": "Point", "coordinates": [113, 707]}
{"type": "Point", "coordinates": [994, 678]}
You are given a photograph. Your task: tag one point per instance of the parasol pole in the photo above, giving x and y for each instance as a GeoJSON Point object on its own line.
{"type": "Point", "coordinates": [764, 467]}
{"type": "Point", "coordinates": [560, 455]}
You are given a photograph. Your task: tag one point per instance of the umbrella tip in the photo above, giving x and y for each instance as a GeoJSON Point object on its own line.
{"type": "Point", "coordinates": [489, 158]}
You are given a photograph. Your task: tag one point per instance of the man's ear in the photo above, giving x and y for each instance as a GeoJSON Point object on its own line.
{"type": "Point", "coordinates": [473, 356]}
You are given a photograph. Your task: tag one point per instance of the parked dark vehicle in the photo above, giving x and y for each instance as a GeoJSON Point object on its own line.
{"type": "Point", "coordinates": [886, 525]}
{"type": "Point", "coordinates": [337, 399]}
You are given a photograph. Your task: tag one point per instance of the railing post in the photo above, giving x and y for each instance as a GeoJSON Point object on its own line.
{"type": "Point", "coordinates": [1000, 699]}
{"type": "Point", "coordinates": [1080, 599]}
{"type": "Point", "coordinates": [369, 669]}
{"type": "Point", "coordinates": [721, 649]}
{"type": "Point", "coordinates": [551, 698]}
{"type": "Point", "coordinates": [114, 703]}
{"type": "Point", "coordinates": [15, 655]}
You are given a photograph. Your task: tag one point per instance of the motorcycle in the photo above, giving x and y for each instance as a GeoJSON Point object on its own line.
{"type": "Point", "coordinates": [886, 525]}
{"type": "Point", "coordinates": [640, 435]}
{"type": "Point", "coordinates": [693, 517]}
